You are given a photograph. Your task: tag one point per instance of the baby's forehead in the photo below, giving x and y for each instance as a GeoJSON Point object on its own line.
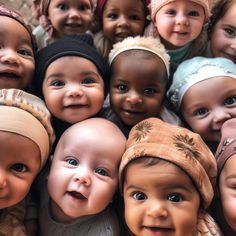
{"type": "Point", "coordinates": [160, 171]}
{"type": "Point", "coordinates": [93, 131]}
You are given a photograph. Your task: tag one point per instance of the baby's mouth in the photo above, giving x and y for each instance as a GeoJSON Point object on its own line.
{"type": "Point", "coordinates": [160, 229]}
{"type": "Point", "coordinates": [77, 195]}
{"type": "Point", "coordinates": [9, 75]}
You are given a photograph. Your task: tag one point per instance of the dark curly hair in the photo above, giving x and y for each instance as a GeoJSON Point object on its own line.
{"type": "Point", "coordinates": [218, 11]}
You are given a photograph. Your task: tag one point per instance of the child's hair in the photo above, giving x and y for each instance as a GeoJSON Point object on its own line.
{"type": "Point", "coordinates": [218, 11]}
{"type": "Point", "coordinates": [195, 70]}
{"type": "Point", "coordinates": [80, 45]}
{"type": "Point", "coordinates": [179, 146]}
{"type": "Point", "coordinates": [40, 12]}
{"type": "Point", "coordinates": [25, 114]}
{"type": "Point", "coordinates": [12, 13]}
{"type": "Point", "coordinates": [147, 44]}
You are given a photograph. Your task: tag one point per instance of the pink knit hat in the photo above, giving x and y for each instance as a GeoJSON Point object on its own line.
{"type": "Point", "coordinates": [227, 146]}
{"type": "Point", "coordinates": [156, 5]}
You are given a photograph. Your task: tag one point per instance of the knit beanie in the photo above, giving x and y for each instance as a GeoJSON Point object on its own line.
{"type": "Point", "coordinates": [25, 114]}
{"type": "Point", "coordinates": [227, 146]}
{"type": "Point", "coordinates": [154, 138]}
{"type": "Point", "coordinates": [195, 70]}
{"type": "Point", "coordinates": [80, 45]}
{"type": "Point", "coordinates": [148, 44]}
{"type": "Point", "coordinates": [12, 13]}
{"type": "Point", "coordinates": [156, 5]}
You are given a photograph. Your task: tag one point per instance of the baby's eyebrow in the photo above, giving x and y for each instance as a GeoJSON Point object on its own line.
{"type": "Point", "coordinates": [230, 26]}
{"type": "Point", "coordinates": [53, 75]}
{"type": "Point", "coordinates": [233, 176]}
{"type": "Point", "coordinates": [178, 187]}
{"type": "Point", "coordinates": [132, 186]}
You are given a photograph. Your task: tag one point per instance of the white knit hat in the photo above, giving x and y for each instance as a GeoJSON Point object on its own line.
{"type": "Point", "coordinates": [149, 44]}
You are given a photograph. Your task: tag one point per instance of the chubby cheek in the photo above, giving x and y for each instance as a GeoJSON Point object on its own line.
{"type": "Point", "coordinates": [132, 216]}
{"type": "Point", "coordinates": [229, 210]}
{"type": "Point", "coordinates": [55, 183]}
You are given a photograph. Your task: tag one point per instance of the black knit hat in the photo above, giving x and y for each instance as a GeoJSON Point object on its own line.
{"type": "Point", "coordinates": [76, 45]}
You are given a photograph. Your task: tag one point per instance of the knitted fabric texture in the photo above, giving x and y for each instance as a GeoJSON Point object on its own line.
{"type": "Point", "coordinates": [156, 5]}
{"type": "Point", "coordinates": [148, 44]}
{"type": "Point", "coordinates": [195, 70]}
{"type": "Point", "coordinates": [155, 138]}
{"type": "Point", "coordinates": [12, 13]}
{"type": "Point", "coordinates": [25, 114]}
{"type": "Point", "coordinates": [80, 45]}
{"type": "Point", "coordinates": [227, 146]}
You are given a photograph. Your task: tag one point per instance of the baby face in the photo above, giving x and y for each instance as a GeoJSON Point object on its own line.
{"type": "Point", "coordinates": [160, 199]}
{"type": "Point", "coordinates": [16, 55]}
{"type": "Point", "coordinates": [19, 165]}
{"type": "Point", "coordinates": [73, 95]}
{"type": "Point", "coordinates": [223, 43]}
{"type": "Point", "coordinates": [70, 16]}
{"type": "Point", "coordinates": [179, 22]}
{"type": "Point", "coordinates": [122, 19]}
{"type": "Point", "coordinates": [138, 86]}
{"type": "Point", "coordinates": [207, 105]}
{"type": "Point", "coordinates": [84, 172]}
{"type": "Point", "coordinates": [227, 189]}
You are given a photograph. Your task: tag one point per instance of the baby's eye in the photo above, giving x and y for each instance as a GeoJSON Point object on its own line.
{"type": "Point", "coordinates": [171, 12]}
{"type": "Point", "coordinates": [193, 13]}
{"type": "Point", "coordinates": [175, 197]}
{"type": "Point", "coordinates": [230, 32]}
{"type": "Point", "coordinates": [84, 7]}
{"type": "Point", "coordinates": [57, 83]}
{"type": "Point", "coordinates": [112, 16]}
{"type": "Point", "coordinates": [63, 7]}
{"type": "Point", "coordinates": [19, 167]}
{"type": "Point", "coordinates": [88, 81]}
{"type": "Point", "coordinates": [25, 52]}
{"type": "Point", "coordinates": [134, 17]}
{"type": "Point", "coordinates": [72, 162]}
{"type": "Point", "coordinates": [149, 91]}
{"type": "Point", "coordinates": [122, 87]}
{"type": "Point", "coordinates": [201, 112]}
{"type": "Point", "coordinates": [139, 196]}
{"type": "Point", "coordinates": [101, 171]}
{"type": "Point", "coordinates": [230, 101]}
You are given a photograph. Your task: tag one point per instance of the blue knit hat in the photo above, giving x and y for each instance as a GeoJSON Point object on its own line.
{"type": "Point", "coordinates": [195, 70]}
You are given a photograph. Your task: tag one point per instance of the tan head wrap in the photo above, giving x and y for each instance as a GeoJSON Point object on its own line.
{"type": "Point", "coordinates": [25, 114]}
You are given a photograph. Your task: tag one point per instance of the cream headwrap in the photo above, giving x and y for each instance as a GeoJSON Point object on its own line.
{"type": "Point", "coordinates": [25, 114]}
{"type": "Point", "coordinates": [148, 44]}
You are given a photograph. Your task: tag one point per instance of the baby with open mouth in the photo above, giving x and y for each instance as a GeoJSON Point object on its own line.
{"type": "Point", "coordinates": [82, 181]}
